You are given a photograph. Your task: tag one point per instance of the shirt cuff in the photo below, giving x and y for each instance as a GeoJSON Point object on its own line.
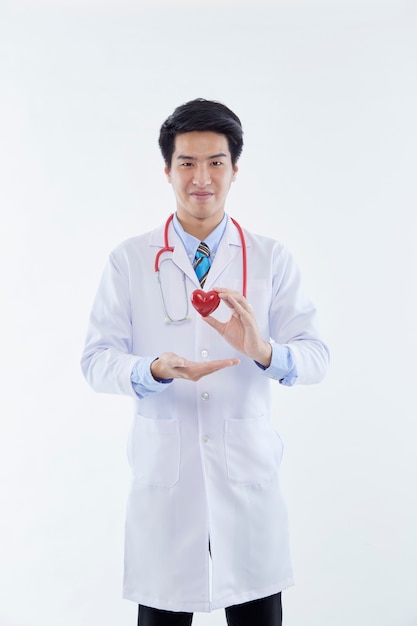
{"type": "Point", "coordinates": [282, 366]}
{"type": "Point", "coordinates": [143, 383]}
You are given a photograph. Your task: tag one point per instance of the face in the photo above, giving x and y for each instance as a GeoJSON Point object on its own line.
{"type": "Point", "coordinates": [201, 173]}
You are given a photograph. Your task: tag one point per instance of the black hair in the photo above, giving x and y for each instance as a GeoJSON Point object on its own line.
{"type": "Point", "coordinates": [201, 115]}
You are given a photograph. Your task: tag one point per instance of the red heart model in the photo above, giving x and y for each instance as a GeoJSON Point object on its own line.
{"type": "Point", "coordinates": [205, 302]}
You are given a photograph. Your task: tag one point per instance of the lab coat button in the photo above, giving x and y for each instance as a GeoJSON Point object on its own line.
{"type": "Point", "coordinates": [204, 354]}
{"type": "Point", "coordinates": [205, 395]}
{"type": "Point", "coordinates": [206, 438]}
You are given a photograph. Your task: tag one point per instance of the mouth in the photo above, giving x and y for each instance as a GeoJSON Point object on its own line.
{"type": "Point", "coordinates": [201, 195]}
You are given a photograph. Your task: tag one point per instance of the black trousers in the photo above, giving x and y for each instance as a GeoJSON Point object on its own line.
{"type": "Point", "coordinates": [263, 612]}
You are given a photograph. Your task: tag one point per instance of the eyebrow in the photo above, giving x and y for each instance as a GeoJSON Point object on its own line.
{"type": "Point", "coordinates": [181, 157]}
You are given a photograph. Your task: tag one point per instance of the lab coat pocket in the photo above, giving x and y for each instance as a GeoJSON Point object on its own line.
{"type": "Point", "coordinates": [253, 451]}
{"type": "Point", "coordinates": [154, 451]}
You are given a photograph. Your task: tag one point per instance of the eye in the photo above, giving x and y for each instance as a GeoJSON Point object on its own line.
{"type": "Point", "coordinates": [186, 164]}
{"type": "Point", "coordinates": [216, 163]}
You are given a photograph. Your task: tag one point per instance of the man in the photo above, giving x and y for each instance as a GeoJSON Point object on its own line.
{"type": "Point", "coordinates": [206, 523]}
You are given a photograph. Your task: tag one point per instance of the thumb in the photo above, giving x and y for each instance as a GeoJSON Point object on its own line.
{"type": "Point", "coordinates": [211, 321]}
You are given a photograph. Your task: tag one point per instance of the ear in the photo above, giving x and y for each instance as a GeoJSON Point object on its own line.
{"type": "Point", "coordinates": [167, 173]}
{"type": "Point", "coordinates": [235, 171]}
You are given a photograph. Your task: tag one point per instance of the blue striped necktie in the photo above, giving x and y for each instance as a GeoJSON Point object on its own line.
{"type": "Point", "coordinates": [202, 262]}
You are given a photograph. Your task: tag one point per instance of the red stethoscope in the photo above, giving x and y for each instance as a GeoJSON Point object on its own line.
{"type": "Point", "coordinates": [168, 248]}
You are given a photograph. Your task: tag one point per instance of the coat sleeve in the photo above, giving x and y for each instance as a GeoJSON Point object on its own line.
{"type": "Point", "coordinates": [293, 320]}
{"type": "Point", "coordinates": [107, 360]}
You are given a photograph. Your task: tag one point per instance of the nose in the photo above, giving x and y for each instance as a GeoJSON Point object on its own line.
{"type": "Point", "coordinates": [201, 177]}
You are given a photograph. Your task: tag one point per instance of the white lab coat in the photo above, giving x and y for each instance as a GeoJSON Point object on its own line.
{"type": "Point", "coordinates": [204, 454]}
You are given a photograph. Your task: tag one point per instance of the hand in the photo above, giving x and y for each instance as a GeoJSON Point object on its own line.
{"type": "Point", "coordinates": [170, 365]}
{"type": "Point", "coordinates": [241, 331]}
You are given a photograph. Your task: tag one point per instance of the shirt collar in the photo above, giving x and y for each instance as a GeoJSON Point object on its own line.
{"type": "Point", "coordinates": [191, 243]}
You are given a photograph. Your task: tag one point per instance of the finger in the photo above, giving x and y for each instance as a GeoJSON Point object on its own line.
{"type": "Point", "coordinates": [226, 300]}
{"type": "Point", "coordinates": [214, 366]}
{"type": "Point", "coordinates": [239, 304]}
{"type": "Point", "coordinates": [229, 297]}
{"type": "Point", "coordinates": [195, 371]}
{"type": "Point", "coordinates": [225, 291]}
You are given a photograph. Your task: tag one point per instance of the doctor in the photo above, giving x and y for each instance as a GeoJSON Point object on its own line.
{"type": "Point", "coordinates": [206, 524]}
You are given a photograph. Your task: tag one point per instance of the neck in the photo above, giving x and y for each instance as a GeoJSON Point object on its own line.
{"type": "Point", "coordinates": [199, 228]}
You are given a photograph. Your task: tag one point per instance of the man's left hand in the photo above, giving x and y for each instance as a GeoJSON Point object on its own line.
{"type": "Point", "coordinates": [241, 331]}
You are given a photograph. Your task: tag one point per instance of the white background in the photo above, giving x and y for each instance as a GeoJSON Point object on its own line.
{"type": "Point", "coordinates": [327, 94]}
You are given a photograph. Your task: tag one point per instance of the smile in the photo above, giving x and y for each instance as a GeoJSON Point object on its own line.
{"type": "Point", "coordinates": [201, 195]}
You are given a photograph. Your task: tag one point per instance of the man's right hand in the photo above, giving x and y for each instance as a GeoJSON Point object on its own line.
{"type": "Point", "coordinates": [170, 365]}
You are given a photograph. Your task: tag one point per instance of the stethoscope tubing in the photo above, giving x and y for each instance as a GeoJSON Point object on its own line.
{"type": "Point", "coordinates": [166, 247]}
{"type": "Point", "coordinates": [244, 257]}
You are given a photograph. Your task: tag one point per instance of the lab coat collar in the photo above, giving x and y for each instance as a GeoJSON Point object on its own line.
{"type": "Point", "coordinates": [179, 255]}
{"type": "Point", "coordinates": [230, 248]}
